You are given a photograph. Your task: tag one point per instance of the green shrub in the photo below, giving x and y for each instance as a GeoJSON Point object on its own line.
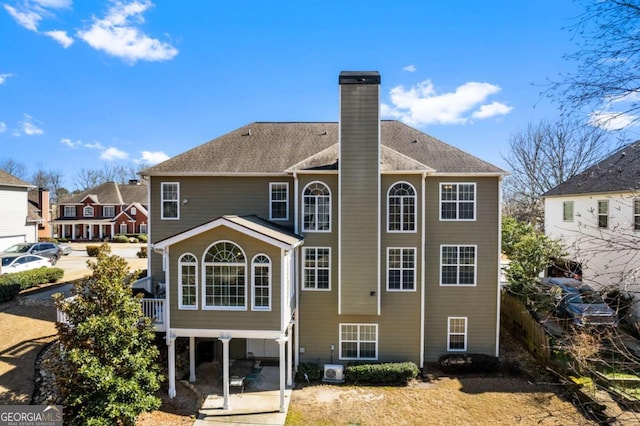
{"type": "Point", "coordinates": [143, 238]}
{"type": "Point", "coordinates": [396, 373]}
{"type": "Point", "coordinates": [120, 239]}
{"type": "Point", "coordinates": [8, 291]}
{"type": "Point", "coordinates": [311, 369]}
{"type": "Point", "coordinates": [142, 253]}
{"type": "Point", "coordinates": [92, 251]}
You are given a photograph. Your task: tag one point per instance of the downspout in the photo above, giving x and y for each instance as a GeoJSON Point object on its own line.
{"type": "Point", "coordinates": [422, 268]}
{"type": "Point", "coordinates": [499, 267]}
{"type": "Point", "coordinates": [296, 274]}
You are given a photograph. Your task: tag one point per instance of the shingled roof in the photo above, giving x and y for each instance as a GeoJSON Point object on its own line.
{"type": "Point", "coordinates": [110, 193]}
{"type": "Point", "coordinates": [620, 172]}
{"type": "Point", "coordinates": [265, 148]}
{"type": "Point", "coordinates": [7, 179]}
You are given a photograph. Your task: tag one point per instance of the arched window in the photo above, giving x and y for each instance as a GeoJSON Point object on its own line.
{"type": "Point", "coordinates": [87, 211]}
{"type": "Point", "coordinates": [261, 289]}
{"type": "Point", "coordinates": [317, 207]}
{"type": "Point", "coordinates": [401, 208]}
{"type": "Point", "coordinates": [188, 281]}
{"type": "Point", "coordinates": [224, 277]}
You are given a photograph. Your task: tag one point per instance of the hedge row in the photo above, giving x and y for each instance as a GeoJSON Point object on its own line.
{"type": "Point", "coordinates": [396, 373]}
{"type": "Point", "coordinates": [11, 284]}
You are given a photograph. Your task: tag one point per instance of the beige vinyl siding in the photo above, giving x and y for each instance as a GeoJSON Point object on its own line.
{"type": "Point", "coordinates": [359, 197]}
{"type": "Point", "coordinates": [230, 320]}
{"type": "Point", "coordinates": [208, 198]}
{"type": "Point", "coordinates": [478, 303]}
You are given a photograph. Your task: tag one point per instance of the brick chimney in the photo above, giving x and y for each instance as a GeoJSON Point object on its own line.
{"type": "Point", "coordinates": [359, 193]}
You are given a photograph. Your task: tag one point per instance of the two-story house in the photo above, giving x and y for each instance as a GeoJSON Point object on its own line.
{"type": "Point", "coordinates": [19, 222]}
{"type": "Point", "coordinates": [357, 240]}
{"type": "Point", "coordinates": [103, 212]}
{"type": "Point", "coordinates": [596, 215]}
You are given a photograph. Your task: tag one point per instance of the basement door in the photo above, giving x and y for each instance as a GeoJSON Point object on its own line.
{"type": "Point", "coordinates": [263, 348]}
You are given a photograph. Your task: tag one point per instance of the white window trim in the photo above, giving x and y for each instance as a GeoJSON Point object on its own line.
{"type": "Point", "coordinates": [606, 202]}
{"type": "Point", "coordinates": [449, 334]}
{"type": "Point", "coordinates": [304, 254]}
{"type": "Point", "coordinates": [475, 265]}
{"type": "Point", "coordinates": [104, 211]}
{"type": "Point", "coordinates": [180, 263]}
{"type": "Point", "coordinates": [358, 325]}
{"type": "Point", "coordinates": [475, 202]}
{"type": "Point", "coordinates": [564, 203]}
{"type": "Point", "coordinates": [634, 214]}
{"type": "Point", "coordinates": [123, 224]}
{"type": "Point", "coordinates": [86, 209]}
{"type": "Point", "coordinates": [143, 225]}
{"type": "Point", "coordinates": [271, 200]}
{"type": "Point", "coordinates": [253, 283]}
{"type": "Point", "coordinates": [415, 208]}
{"type": "Point", "coordinates": [206, 307]}
{"type": "Point", "coordinates": [415, 252]}
{"type": "Point", "coordinates": [69, 211]}
{"type": "Point", "coordinates": [133, 211]}
{"type": "Point", "coordinates": [330, 208]}
{"type": "Point", "coordinates": [162, 201]}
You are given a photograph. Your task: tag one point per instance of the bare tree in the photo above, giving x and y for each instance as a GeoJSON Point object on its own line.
{"type": "Point", "coordinates": [542, 156]}
{"type": "Point", "coordinates": [14, 168]}
{"type": "Point", "coordinates": [606, 83]}
{"type": "Point", "coordinates": [87, 178]}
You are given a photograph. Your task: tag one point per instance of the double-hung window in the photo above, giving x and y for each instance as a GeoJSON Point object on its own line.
{"type": "Point", "coordinates": [261, 289]}
{"type": "Point", "coordinates": [401, 207]}
{"type": "Point", "coordinates": [401, 269]}
{"type": "Point", "coordinates": [188, 279]}
{"type": "Point", "coordinates": [169, 200]}
{"type": "Point", "coordinates": [567, 211]}
{"type": "Point", "coordinates": [317, 268]}
{"type": "Point", "coordinates": [224, 277]}
{"type": "Point", "coordinates": [316, 199]}
{"type": "Point", "coordinates": [143, 228]}
{"type": "Point", "coordinates": [457, 201]}
{"type": "Point", "coordinates": [458, 265]}
{"type": "Point", "coordinates": [359, 341]}
{"type": "Point", "coordinates": [636, 215]}
{"type": "Point", "coordinates": [69, 211]}
{"type": "Point", "coordinates": [603, 214]}
{"type": "Point", "coordinates": [457, 334]}
{"type": "Point", "coordinates": [279, 201]}
{"type": "Point", "coordinates": [108, 211]}
{"type": "Point", "coordinates": [124, 228]}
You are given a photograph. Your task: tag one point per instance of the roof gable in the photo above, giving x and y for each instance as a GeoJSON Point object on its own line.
{"type": "Point", "coordinates": [7, 179]}
{"type": "Point", "coordinates": [620, 172]}
{"type": "Point", "coordinates": [110, 193]}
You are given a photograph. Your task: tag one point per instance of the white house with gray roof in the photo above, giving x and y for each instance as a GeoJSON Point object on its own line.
{"type": "Point", "coordinates": [596, 215]}
{"type": "Point", "coordinates": [362, 240]}
{"type": "Point", "coordinates": [19, 222]}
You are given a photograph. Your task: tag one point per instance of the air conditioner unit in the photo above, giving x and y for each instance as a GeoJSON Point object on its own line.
{"type": "Point", "coordinates": [333, 373]}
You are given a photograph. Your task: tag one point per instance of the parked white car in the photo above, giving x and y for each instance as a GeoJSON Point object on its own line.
{"type": "Point", "coordinates": [24, 262]}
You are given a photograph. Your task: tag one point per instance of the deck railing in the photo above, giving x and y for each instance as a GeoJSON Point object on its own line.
{"type": "Point", "coordinates": [151, 308]}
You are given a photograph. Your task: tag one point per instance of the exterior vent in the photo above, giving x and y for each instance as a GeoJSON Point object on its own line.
{"type": "Point", "coordinates": [333, 373]}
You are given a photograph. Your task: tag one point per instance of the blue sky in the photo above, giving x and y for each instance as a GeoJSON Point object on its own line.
{"type": "Point", "coordinates": [89, 83]}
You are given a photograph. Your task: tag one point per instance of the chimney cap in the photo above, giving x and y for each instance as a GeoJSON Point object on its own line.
{"type": "Point", "coordinates": [359, 77]}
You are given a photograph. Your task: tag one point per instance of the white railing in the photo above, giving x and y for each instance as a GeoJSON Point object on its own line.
{"type": "Point", "coordinates": [152, 308]}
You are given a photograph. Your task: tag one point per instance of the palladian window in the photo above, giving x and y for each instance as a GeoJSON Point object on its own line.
{"type": "Point", "coordinates": [225, 277]}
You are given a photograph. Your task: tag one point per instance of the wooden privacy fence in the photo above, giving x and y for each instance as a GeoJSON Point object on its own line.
{"type": "Point", "coordinates": [518, 321]}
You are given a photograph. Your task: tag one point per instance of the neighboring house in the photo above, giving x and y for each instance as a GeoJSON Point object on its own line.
{"type": "Point", "coordinates": [19, 223]}
{"type": "Point", "coordinates": [596, 215]}
{"type": "Point", "coordinates": [103, 212]}
{"type": "Point", "coordinates": [357, 241]}
{"type": "Point", "coordinates": [39, 206]}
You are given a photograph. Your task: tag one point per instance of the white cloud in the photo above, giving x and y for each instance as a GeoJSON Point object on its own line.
{"type": "Point", "coordinates": [154, 157]}
{"type": "Point", "coordinates": [61, 37]}
{"type": "Point", "coordinates": [491, 110]}
{"type": "Point", "coordinates": [3, 127]}
{"type": "Point", "coordinates": [54, 4]}
{"type": "Point", "coordinates": [68, 142]}
{"type": "Point", "coordinates": [112, 153]}
{"type": "Point", "coordinates": [410, 68]}
{"type": "Point", "coordinates": [421, 104]}
{"type": "Point", "coordinates": [27, 18]}
{"type": "Point", "coordinates": [95, 145]}
{"type": "Point", "coordinates": [117, 35]}
{"type": "Point", "coordinates": [27, 127]}
{"type": "Point", "coordinates": [612, 120]}
{"type": "Point", "coordinates": [4, 77]}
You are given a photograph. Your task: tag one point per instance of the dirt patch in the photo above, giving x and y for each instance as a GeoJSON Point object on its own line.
{"type": "Point", "coordinates": [181, 410]}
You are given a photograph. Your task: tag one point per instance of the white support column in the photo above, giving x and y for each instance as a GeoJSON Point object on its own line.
{"type": "Point", "coordinates": [192, 359]}
{"type": "Point", "coordinates": [289, 357]}
{"type": "Point", "coordinates": [171, 340]}
{"type": "Point", "coordinates": [100, 231]}
{"type": "Point", "coordinates": [112, 230]}
{"type": "Point", "coordinates": [73, 231]}
{"type": "Point", "coordinates": [225, 371]}
{"type": "Point", "coordinates": [282, 341]}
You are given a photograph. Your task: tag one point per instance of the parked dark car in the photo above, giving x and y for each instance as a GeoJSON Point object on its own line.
{"type": "Point", "coordinates": [580, 303]}
{"type": "Point", "coordinates": [627, 304]}
{"type": "Point", "coordinates": [48, 250]}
